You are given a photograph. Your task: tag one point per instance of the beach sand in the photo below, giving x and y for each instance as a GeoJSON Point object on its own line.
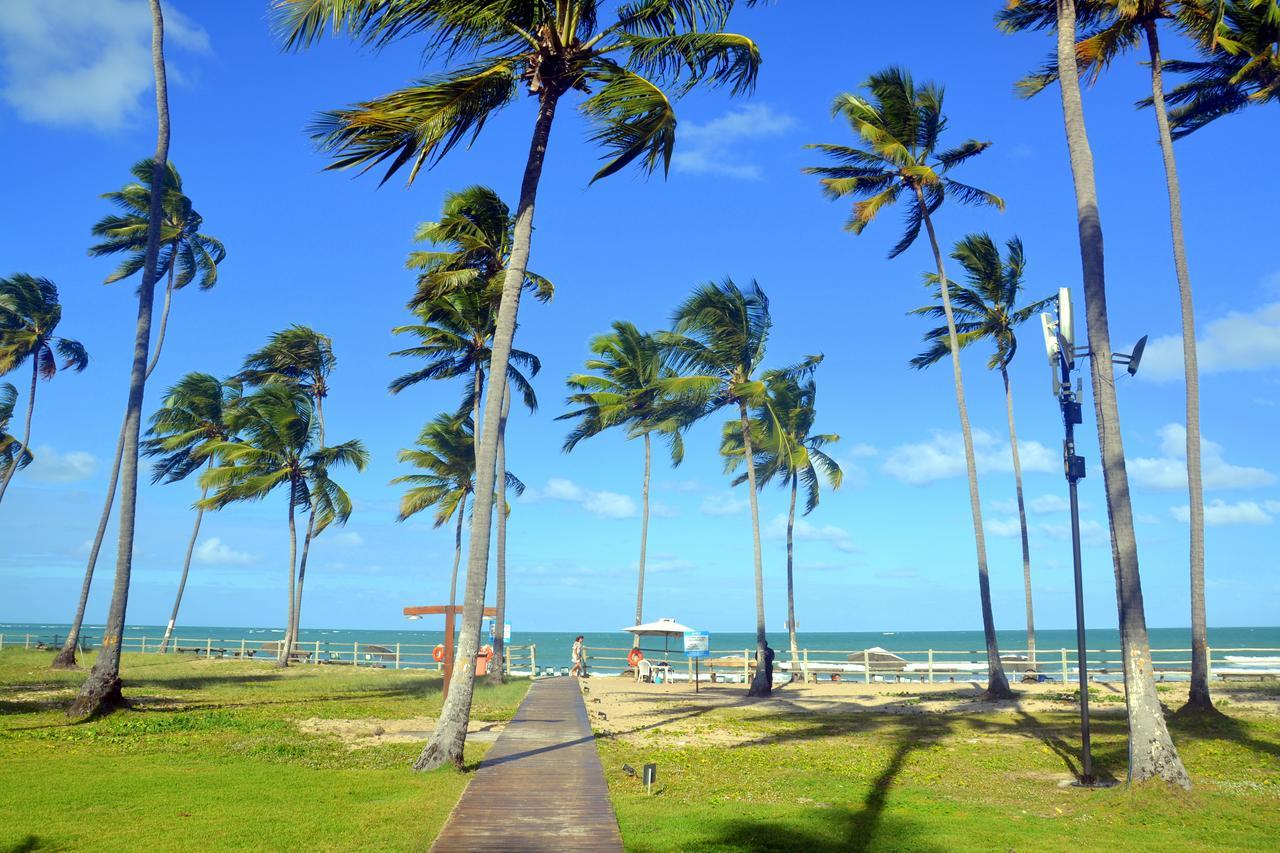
{"type": "Point", "coordinates": [620, 707]}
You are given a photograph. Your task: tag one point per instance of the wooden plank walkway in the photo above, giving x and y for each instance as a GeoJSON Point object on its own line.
{"type": "Point", "coordinates": [540, 786]}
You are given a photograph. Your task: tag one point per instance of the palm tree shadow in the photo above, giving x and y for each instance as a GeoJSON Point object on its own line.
{"type": "Point", "coordinates": [27, 844]}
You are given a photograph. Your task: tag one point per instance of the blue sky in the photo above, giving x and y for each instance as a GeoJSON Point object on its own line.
{"type": "Point", "coordinates": [892, 550]}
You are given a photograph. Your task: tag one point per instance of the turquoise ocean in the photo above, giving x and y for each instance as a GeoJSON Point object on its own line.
{"type": "Point", "coordinates": [553, 647]}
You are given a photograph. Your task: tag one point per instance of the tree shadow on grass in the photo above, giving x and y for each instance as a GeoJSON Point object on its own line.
{"type": "Point", "coordinates": [849, 829]}
{"type": "Point", "coordinates": [26, 845]}
{"type": "Point", "coordinates": [1219, 726]}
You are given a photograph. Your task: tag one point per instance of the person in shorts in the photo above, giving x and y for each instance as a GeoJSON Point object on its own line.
{"type": "Point", "coordinates": [579, 658]}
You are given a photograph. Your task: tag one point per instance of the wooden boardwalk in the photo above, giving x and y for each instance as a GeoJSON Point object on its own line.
{"type": "Point", "coordinates": [541, 786]}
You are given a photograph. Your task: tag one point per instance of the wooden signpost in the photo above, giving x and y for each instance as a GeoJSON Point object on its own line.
{"type": "Point", "coordinates": [449, 611]}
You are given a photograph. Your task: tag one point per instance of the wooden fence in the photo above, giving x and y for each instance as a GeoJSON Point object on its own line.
{"type": "Point", "coordinates": [937, 665]}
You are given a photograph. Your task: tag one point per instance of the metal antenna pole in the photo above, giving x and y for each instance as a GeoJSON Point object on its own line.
{"type": "Point", "coordinates": [1074, 468]}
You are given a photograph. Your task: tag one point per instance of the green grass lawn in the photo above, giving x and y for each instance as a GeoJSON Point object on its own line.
{"type": "Point", "coordinates": [211, 757]}
{"type": "Point", "coordinates": [921, 782]}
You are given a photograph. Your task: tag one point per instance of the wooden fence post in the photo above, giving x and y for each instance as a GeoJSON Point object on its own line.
{"type": "Point", "coordinates": [241, 647]}
{"type": "Point", "coordinates": [144, 645]}
{"type": "Point", "coordinates": [931, 666]}
{"type": "Point", "coordinates": [533, 661]}
{"type": "Point", "coordinates": [866, 666]}
{"type": "Point", "coordinates": [208, 646]}
{"type": "Point", "coordinates": [28, 644]}
{"type": "Point", "coordinates": [806, 666]}
{"type": "Point", "coordinates": [746, 668]}
{"type": "Point", "coordinates": [397, 655]}
{"type": "Point", "coordinates": [355, 653]}
{"type": "Point", "coordinates": [1066, 676]}
{"type": "Point", "coordinates": [1208, 663]}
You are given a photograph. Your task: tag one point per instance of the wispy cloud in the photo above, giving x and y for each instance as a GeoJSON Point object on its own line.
{"type": "Point", "coordinates": [1169, 471]}
{"type": "Point", "coordinates": [602, 504]}
{"type": "Point", "coordinates": [724, 503]}
{"type": "Point", "coordinates": [1240, 340]}
{"type": "Point", "coordinates": [942, 457]}
{"type": "Point", "coordinates": [50, 466]}
{"type": "Point", "coordinates": [1219, 513]}
{"type": "Point", "coordinates": [721, 146]}
{"type": "Point", "coordinates": [349, 538]}
{"type": "Point", "coordinates": [836, 537]}
{"type": "Point", "coordinates": [83, 63]}
{"type": "Point", "coordinates": [213, 551]}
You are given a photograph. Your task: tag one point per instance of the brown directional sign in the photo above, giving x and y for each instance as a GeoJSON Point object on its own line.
{"type": "Point", "coordinates": [448, 611]}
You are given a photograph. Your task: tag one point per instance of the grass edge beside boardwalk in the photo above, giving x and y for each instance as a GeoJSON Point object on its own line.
{"type": "Point", "coordinates": [211, 756]}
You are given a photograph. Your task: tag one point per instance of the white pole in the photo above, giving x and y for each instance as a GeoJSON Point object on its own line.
{"type": "Point", "coordinates": [397, 655]}
{"type": "Point", "coordinates": [355, 653]}
{"type": "Point", "coordinates": [866, 666]}
{"type": "Point", "coordinates": [931, 666]}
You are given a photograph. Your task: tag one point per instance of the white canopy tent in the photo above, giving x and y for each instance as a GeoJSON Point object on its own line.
{"type": "Point", "coordinates": [665, 628]}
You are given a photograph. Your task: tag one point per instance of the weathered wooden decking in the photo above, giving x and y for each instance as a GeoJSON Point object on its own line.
{"type": "Point", "coordinates": [541, 786]}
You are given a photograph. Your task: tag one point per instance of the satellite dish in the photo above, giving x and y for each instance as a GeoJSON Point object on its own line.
{"type": "Point", "coordinates": [1052, 349]}
{"type": "Point", "coordinates": [1137, 356]}
{"type": "Point", "coordinates": [1066, 318]}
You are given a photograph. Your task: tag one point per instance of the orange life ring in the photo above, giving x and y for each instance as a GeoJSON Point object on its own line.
{"type": "Point", "coordinates": [486, 652]}
{"type": "Point", "coordinates": [438, 653]}
{"type": "Point", "coordinates": [635, 657]}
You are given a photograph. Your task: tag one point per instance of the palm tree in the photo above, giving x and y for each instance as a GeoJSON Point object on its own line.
{"type": "Point", "coordinates": [29, 318]}
{"type": "Point", "coordinates": [12, 452]}
{"type": "Point", "coordinates": [786, 449]}
{"type": "Point", "coordinates": [1151, 750]}
{"type": "Point", "coordinates": [445, 452]}
{"type": "Point", "coordinates": [901, 125]}
{"type": "Point", "coordinates": [621, 65]}
{"type": "Point", "coordinates": [986, 309]}
{"type": "Point", "coordinates": [192, 419]}
{"type": "Point", "coordinates": [185, 256]}
{"type": "Point", "coordinates": [275, 443]}
{"type": "Point", "coordinates": [1241, 65]}
{"type": "Point", "coordinates": [624, 389]}
{"type": "Point", "coordinates": [1114, 27]}
{"type": "Point", "coordinates": [302, 358]}
{"type": "Point", "coordinates": [717, 344]}
{"type": "Point", "coordinates": [470, 249]}
{"type": "Point", "coordinates": [101, 691]}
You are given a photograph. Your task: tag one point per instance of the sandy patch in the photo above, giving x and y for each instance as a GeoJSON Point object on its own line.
{"type": "Point", "coordinates": [619, 707]}
{"type": "Point", "coordinates": [357, 734]}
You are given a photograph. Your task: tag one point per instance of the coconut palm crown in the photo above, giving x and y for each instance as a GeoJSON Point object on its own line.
{"type": "Point", "coordinates": [11, 449]}
{"type": "Point", "coordinates": [900, 126]}
{"type": "Point", "coordinates": [191, 421]}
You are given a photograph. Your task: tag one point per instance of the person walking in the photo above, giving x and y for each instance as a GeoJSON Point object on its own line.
{"type": "Point", "coordinates": [579, 655]}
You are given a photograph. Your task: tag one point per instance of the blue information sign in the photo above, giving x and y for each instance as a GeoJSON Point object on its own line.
{"type": "Point", "coordinates": [697, 644]}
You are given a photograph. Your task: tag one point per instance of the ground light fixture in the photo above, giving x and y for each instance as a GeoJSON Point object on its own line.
{"type": "Point", "coordinates": [1059, 343]}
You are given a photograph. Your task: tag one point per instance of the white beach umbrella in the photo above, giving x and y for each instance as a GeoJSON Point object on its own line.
{"type": "Point", "coordinates": [665, 628]}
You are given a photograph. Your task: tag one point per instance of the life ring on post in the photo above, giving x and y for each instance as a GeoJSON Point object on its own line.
{"type": "Point", "coordinates": [635, 657]}
{"type": "Point", "coordinates": [437, 654]}
{"type": "Point", "coordinates": [486, 652]}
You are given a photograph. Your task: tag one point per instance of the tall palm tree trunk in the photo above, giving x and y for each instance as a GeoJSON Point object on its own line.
{"type": "Point", "coordinates": [457, 552]}
{"type": "Point", "coordinates": [182, 582]}
{"type": "Point", "coordinates": [291, 634]}
{"type": "Point", "coordinates": [295, 621]}
{"type": "Point", "coordinates": [450, 733]}
{"type": "Point", "coordinates": [791, 586]}
{"type": "Point", "coordinates": [997, 683]}
{"type": "Point", "coordinates": [66, 656]}
{"type": "Point", "coordinates": [644, 537]}
{"type": "Point", "coordinates": [761, 683]}
{"type": "Point", "coordinates": [282, 655]}
{"type": "Point", "coordinates": [1199, 697]}
{"type": "Point", "coordinates": [1151, 750]}
{"type": "Point", "coordinates": [1022, 519]}
{"type": "Point", "coordinates": [26, 432]}
{"type": "Point", "coordinates": [496, 673]}
{"type": "Point", "coordinates": [102, 690]}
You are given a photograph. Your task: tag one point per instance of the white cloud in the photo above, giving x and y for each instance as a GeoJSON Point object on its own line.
{"type": "Point", "coordinates": [714, 147]}
{"type": "Point", "coordinates": [680, 485]}
{"type": "Point", "coordinates": [837, 537]}
{"type": "Point", "coordinates": [83, 62]}
{"type": "Point", "coordinates": [861, 450]}
{"type": "Point", "coordinates": [349, 538]}
{"type": "Point", "coordinates": [1092, 533]}
{"type": "Point", "coordinates": [1219, 513]}
{"type": "Point", "coordinates": [1169, 471]}
{"type": "Point", "coordinates": [1045, 504]}
{"type": "Point", "coordinates": [602, 504]}
{"type": "Point", "coordinates": [1005, 528]}
{"type": "Point", "coordinates": [214, 551]}
{"type": "Point", "coordinates": [1239, 341]}
{"type": "Point", "coordinates": [50, 466]}
{"type": "Point", "coordinates": [660, 510]}
{"type": "Point", "coordinates": [1271, 506]}
{"type": "Point", "coordinates": [942, 457]}
{"type": "Point", "coordinates": [1146, 518]}
{"type": "Point", "coordinates": [724, 503]}
{"type": "Point", "coordinates": [659, 563]}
